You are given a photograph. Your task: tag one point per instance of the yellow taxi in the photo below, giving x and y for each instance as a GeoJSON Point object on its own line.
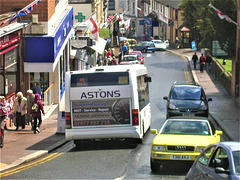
{"type": "Point", "coordinates": [181, 140]}
{"type": "Point", "coordinates": [131, 42]}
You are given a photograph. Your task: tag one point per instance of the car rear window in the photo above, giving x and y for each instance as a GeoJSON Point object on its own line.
{"type": "Point", "coordinates": [129, 59]}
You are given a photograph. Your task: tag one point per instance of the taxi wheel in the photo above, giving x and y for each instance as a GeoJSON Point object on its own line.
{"type": "Point", "coordinates": [154, 166]}
{"type": "Point", "coordinates": [153, 51]}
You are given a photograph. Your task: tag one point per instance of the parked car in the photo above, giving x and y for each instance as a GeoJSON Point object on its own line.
{"type": "Point", "coordinates": [180, 141]}
{"type": "Point", "coordinates": [130, 59]}
{"type": "Point", "coordinates": [132, 42]}
{"type": "Point", "coordinates": [218, 161]}
{"type": "Point", "coordinates": [187, 99]}
{"type": "Point", "coordinates": [160, 45]}
{"type": "Point", "coordinates": [145, 46]}
{"type": "Point", "coordinates": [139, 54]}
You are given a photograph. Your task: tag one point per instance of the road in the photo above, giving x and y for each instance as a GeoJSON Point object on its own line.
{"type": "Point", "coordinates": [116, 159]}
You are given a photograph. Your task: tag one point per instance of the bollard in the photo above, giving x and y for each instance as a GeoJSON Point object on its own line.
{"type": "Point", "coordinates": [224, 61]}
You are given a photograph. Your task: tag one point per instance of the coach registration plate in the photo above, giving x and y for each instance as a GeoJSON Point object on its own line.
{"type": "Point", "coordinates": [184, 157]}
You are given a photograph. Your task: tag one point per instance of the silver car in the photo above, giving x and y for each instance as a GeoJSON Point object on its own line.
{"type": "Point", "coordinates": [217, 161]}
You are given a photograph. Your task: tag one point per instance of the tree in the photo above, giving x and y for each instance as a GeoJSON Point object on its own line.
{"type": "Point", "coordinates": [225, 31]}
{"type": "Point", "coordinates": [206, 26]}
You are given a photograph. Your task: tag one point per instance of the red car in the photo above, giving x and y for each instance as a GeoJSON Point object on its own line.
{"type": "Point", "coordinates": [139, 54]}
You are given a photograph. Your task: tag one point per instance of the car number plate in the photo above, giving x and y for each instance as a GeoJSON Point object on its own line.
{"type": "Point", "coordinates": [180, 157]}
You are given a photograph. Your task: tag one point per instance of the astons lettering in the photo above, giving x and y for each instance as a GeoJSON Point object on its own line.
{"type": "Point", "coordinates": [100, 94]}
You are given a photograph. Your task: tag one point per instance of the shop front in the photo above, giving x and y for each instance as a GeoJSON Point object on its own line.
{"type": "Point", "coordinates": [10, 64]}
{"type": "Point", "coordinates": [47, 57]}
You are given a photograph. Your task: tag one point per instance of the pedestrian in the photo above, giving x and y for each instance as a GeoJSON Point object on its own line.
{"type": "Point", "coordinates": [124, 49]}
{"type": "Point", "coordinates": [209, 62]}
{"type": "Point", "coordinates": [37, 108]}
{"type": "Point", "coordinates": [30, 99]}
{"type": "Point", "coordinates": [195, 59]}
{"type": "Point", "coordinates": [202, 61]}
{"type": "Point", "coordinates": [4, 108]}
{"type": "Point", "coordinates": [114, 61]}
{"type": "Point", "coordinates": [38, 89]}
{"type": "Point", "coordinates": [109, 53]}
{"type": "Point", "coordinates": [99, 60]}
{"type": "Point", "coordinates": [20, 110]}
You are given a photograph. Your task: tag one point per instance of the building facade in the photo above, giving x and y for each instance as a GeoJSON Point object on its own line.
{"type": "Point", "coordinates": [45, 44]}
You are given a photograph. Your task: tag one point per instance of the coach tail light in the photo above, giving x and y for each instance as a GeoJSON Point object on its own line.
{"type": "Point", "coordinates": [135, 118]}
{"type": "Point", "coordinates": [68, 120]}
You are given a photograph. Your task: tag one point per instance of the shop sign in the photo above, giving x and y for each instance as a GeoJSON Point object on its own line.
{"type": "Point", "coordinates": [9, 40]}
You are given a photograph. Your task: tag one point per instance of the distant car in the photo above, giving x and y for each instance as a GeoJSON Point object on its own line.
{"type": "Point", "coordinates": [180, 141]}
{"type": "Point", "coordinates": [132, 42]}
{"type": "Point", "coordinates": [187, 99]}
{"type": "Point", "coordinates": [159, 45]}
{"type": "Point", "coordinates": [145, 46]}
{"type": "Point", "coordinates": [130, 59]}
{"type": "Point", "coordinates": [217, 161]}
{"type": "Point", "coordinates": [139, 54]}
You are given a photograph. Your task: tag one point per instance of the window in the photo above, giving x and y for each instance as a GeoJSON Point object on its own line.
{"type": "Point", "coordinates": [99, 79]}
{"type": "Point", "coordinates": [111, 5]}
{"type": "Point", "coordinates": [220, 159]}
{"type": "Point", "coordinates": [204, 158]}
{"type": "Point", "coordinates": [143, 92]}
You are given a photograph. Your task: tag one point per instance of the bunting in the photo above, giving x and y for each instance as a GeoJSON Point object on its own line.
{"type": "Point", "coordinates": [23, 12]}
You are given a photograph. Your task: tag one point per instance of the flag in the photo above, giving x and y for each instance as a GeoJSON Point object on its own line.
{"type": "Point", "coordinates": [139, 9]}
{"type": "Point", "coordinates": [222, 16]}
{"type": "Point", "coordinates": [154, 13]}
{"type": "Point", "coordinates": [127, 24]}
{"type": "Point", "coordinates": [25, 11]}
{"type": "Point", "coordinates": [120, 17]}
{"type": "Point", "coordinates": [110, 18]}
{"type": "Point", "coordinates": [93, 27]}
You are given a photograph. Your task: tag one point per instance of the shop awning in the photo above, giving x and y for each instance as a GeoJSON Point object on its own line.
{"type": "Point", "coordinates": [99, 45]}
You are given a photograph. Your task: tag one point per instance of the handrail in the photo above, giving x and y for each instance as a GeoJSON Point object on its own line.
{"type": "Point", "coordinates": [48, 88]}
{"type": "Point", "coordinates": [48, 97]}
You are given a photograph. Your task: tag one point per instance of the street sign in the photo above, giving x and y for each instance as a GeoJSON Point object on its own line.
{"type": "Point", "coordinates": [122, 30]}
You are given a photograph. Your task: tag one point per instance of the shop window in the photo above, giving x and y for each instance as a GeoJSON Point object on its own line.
{"type": "Point", "coordinates": [40, 77]}
{"type": "Point", "coordinates": [1, 62]}
{"type": "Point", "coordinates": [10, 57]}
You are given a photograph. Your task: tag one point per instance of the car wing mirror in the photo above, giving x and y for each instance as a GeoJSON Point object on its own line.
{"type": "Point", "coordinates": [165, 98]}
{"type": "Point", "coordinates": [221, 170]}
{"type": "Point", "coordinates": [154, 131]}
{"type": "Point", "coordinates": [147, 79]}
{"type": "Point", "coordinates": [218, 132]}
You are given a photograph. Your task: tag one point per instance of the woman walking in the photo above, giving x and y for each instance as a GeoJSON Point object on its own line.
{"type": "Point", "coordinates": [37, 108]}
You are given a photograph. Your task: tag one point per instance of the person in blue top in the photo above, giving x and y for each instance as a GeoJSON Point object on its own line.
{"type": "Point", "coordinates": [124, 49]}
{"type": "Point", "coordinates": [38, 89]}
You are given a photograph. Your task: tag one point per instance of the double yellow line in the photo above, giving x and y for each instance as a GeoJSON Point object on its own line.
{"type": "Point", "coordinates": [28, 166]}
{"type": "Point", "coordinates": [187, 77]}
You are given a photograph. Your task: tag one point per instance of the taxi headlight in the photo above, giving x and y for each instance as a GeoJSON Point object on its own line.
{"type": "Point", "coordinates": [172, 106]}
{"type": "Point", "coordinates": [158, 148]}
{"type": "Point", "coordinates": [200, 148]}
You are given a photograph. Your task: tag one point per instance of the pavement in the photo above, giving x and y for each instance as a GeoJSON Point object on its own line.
{"type": "Point", "coordinates": [24, 146]}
